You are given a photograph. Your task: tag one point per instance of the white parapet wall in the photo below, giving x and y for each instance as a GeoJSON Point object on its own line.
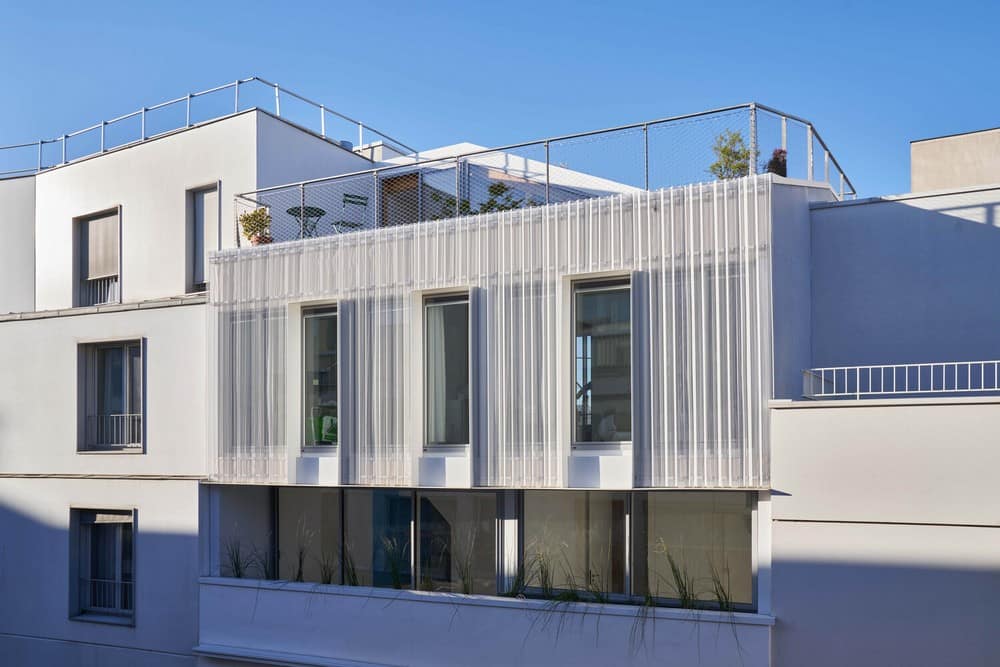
{"type": "Point", "coordinates": [312, 624]}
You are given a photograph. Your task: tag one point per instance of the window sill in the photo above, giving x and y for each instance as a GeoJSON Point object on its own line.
{"type": "Point", "coordinates": [320, 450]}
{"type": "Point", "coordinates": [141, 449]}
{"type": "Point", "coordinates": [446, 450]}
{"type": "Point", "coordinates": [104, 619]}
{"type": "Point", "coordinates": [597, 448]}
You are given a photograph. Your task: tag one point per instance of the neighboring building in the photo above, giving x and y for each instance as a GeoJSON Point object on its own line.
{"type": "Point", "coordinates": [955, 161]}
{"type": "Point", "coordinates": [606, 415]}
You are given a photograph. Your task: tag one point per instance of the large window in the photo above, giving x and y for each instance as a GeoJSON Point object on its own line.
{"type": "Point", "coordinates": [309, 535]}
{"type": "Point", "coordinates": [377, 538]}
{"type": "Point", "coordinates": [105, 553]}
{"type": "Point", "coordinates": [458, 541]}
{"type": "Point", "coordinates": [320, 378]}
{"type": "Point", "coordinates": [603, 361]}
{"type": "Point", "coordinates": [575, 540]}
{"type": "Point", "coordinates": [446, 370]}
{"type": "Point", "coordinates": [98, 260]}
{"type": "Point", "coordinates": [203, 223]}
{"type": "Point", "coordinates": [111, 385]}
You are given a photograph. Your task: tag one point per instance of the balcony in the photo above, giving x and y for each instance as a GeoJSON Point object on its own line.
{"type": "Point", "coordinates": [99, 291]}
{"type": "Point", "coordinates": [288, 622]}
{"type": "Point", "coordinates": [954, 378]}
{"type": "Point", "coordinates": [464, 180]}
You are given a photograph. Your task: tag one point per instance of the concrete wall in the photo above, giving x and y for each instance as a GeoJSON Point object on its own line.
{"type": "Point", "coordinates": [38, 410]}
{"type": "Point", "coordinates": [957, 161]}
{"type": "Point", "coordinates": [906, 279]}
{"type": "Point", "coordinates": [286, 154]}
{"type": "Point", "coordinates": [886, 532]}
{"type": "Point", "coordinates": [35, 628]}
{"type": "Point", "coordinates": [290, 623]}
{"type": "Point", "coordinates": [17, 252]}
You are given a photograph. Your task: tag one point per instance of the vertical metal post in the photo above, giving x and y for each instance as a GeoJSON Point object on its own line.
{"type": "Point", "coordinates": [645, 156]}
{"type": "Point", "coordinates": [277, 101]}
{"type": "Point", "coordinates": [458, 189]}
{"type": "Point", "coordinates": [826, 165]}
{"type": "Point", "coordinates": [142, 124]}
{"type": "Point", "coordinates": [322, 121]}
{"type": "Point", "coordinates": [753, 139]}
{"type": "Point", "coordinates": [809, 152]}
{"type": "Point", "coordinates": [103, 124]}
{"type": "Point", "coordinates": [841, 185]}
{"type": "Point", "coordinates": [361, 134]}
{"type": "Point", "coordinates": [378, 200]}
{"type": "Point", "coordinates": [546, 172]}
{"type": "Point", "coordinates": [784, 133]}
{"type": "Point", "coordinates": [302, 209]}
{"type": "Point", "coordinates": [236, 97]}
{"type": "Point", "coordinates": [39, 156]}
{"type": "Point", "coordinates": [187, 114]}
{"type": "Point", "coordinates": [64, 149]}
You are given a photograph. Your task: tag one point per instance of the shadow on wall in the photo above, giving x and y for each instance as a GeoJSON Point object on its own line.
{"type": "Point", "coordinates": [35, 573]}
{"type": "Point", "coordinates": [906, 281]}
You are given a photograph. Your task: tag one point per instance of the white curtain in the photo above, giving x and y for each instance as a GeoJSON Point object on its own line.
{"type": "Point", "coordinates": [436, 388]}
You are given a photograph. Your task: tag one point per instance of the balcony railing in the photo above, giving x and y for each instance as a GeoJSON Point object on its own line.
{"type": "Point", "coordinates": [99, 291]}
{"type": "Point", "coordinates": [643, 156]}
{"type": "Point", "coordinates": [947, 377]}
{"type": "Point", "coordinates": [106, 596]}
{"type": "Point", "coordinates": [191, 109]}
{"type": "Point", "coordinates": [114, 431]}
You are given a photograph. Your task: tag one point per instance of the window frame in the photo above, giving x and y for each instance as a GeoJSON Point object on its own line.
{"type": "Point", "coordinates": [594, 285]}
{"type": "Point", "coordinates": [81, 565]}
{"type": "Point", "coordinates": [79, 266]}
{"type": "Point", "coordinates": [190, 195]}
{"type": "Point", "coordinates": [312, 312]}
{"type": "Point", "coordinates": [440, 299]}
{"type": "Point", "coordinates": [89, 389]}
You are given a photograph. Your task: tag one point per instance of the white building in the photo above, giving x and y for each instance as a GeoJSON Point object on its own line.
{"type": "Point", "coordinates": [607, 415]}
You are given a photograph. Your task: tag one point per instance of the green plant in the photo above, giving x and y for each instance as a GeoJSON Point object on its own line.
{"type": "Point", "coordinates": [732, 156]}
{"type": "Point", "coordinates": [303, 538]}
{"type": "Point", "coordinates": [350, 570]}
{"type": "Point", "coordinates": [518, 584]}
{"type": "Point", "coordinates": [499, 198]}
{"type": "Point", "coordinates": [237, 562]}
{"type": "Point", "coordinates": [264, 562]}
{"type": "Point", "coordinates": [721, 589]}
{"type": "Point", "coordinates": [327, 563]}
{"type": "Point", "coordinates": [396, 559]}
{"type": "Point", "coordinates": [256, 225]}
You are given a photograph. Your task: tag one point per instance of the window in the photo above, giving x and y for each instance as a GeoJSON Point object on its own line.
{"type": "Point", "coordinates": [98, 259]}
{"type": "Point", "coordinates": [698, 541]}
{"type": "Point", "coordinates": [105, 563]}
{"type": "Point", "coordinates": [111, 386]}
{"type": "Point", "coordinates": [446, 370]}
{"type": "Point", "coordinates": [458, 542]}
{"type": "Point", "coordinates": [309, 535]}
{"type": "Point", "coordinates": [320, 378]}
{"type": "Point", "coordinates": [203, 223]}
{"type": "Point", "coordinates": [575, 540]}
{"type": "Point", "coordinates": [378, 524]}
{"type": "Point", "coordinates": [603, 362]}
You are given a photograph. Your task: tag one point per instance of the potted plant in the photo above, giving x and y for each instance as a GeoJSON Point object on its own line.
{"type": "Point", "coordinates": [778, 164]}
{"type": "Point", "coordinates": [256, 226]}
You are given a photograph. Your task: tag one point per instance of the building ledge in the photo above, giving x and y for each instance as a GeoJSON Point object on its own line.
{"type": "Point", "coordinates": [851, 402]}
{"type": "Point", "coordinates": [165, 302]}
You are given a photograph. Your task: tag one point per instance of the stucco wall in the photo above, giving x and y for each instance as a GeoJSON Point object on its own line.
{"type": "Point", "coordinates": [957, 161]}
{"type": "Point", "coordinates": [17, 252]}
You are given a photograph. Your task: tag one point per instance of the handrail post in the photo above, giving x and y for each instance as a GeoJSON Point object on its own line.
{"type": "Point", "coordinates": [645, 155]}
{"type": "Point", "coordinates": [142, 124]}
{"type": "Point", "coordinates": [187, 116]}
{"type": "Point", "coordinates": [64, 137]}
{"type": "Point", "coordinates": [277, 101]}
{"type": "Point", "coordinates": [784, 133]}
{"type": "Point", "coordinates": [361, 134]}
{"type": "Point", "coordinates": [103, 124]}
{"type": "Point", "coordinates": [378, 200]}
{"type": "Point", "coordinates": [809, 152]}
{"type": "Point", "coordinates": [752, 167]}
{"type": "Point", "coordinates": [39, 155]}
{"type": "Point", "coordinates": [546, 172]}
{"type": "Point", "coordinates": [457, 186]}
{"type": "Point", "coordinates": [302, 210]}
{"type": "Point", "coordinates": [236, 97]}
{"type": "Point", "coordinates": [322, 121]}
{"type": "Point", "coordinates": [826, 165]}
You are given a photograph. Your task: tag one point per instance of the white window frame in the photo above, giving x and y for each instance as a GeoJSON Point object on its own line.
{"type": "Point", "coordinates": [316, 311]}
{"type": "Point", "coordinates": [439, 298]}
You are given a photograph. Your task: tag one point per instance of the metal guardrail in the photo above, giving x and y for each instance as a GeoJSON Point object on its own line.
{"type": "Point", "coordinates": [179, 113]}
{"type": "Point", "coordinates": [642, 156]}
{"type": "Point", "coordinates": [99, 291]}
{"type": "Point", "coordinates": [107, 596]}
{"type": "Point", "coordinates": [946, 377]}
{"type": "Point", "coordinates": [114, 431]}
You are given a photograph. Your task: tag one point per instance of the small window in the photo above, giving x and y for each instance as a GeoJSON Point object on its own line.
{"type": "Point", "coordinates": [105, 564]}
{"type": "Point", "coordinates": [203, 222]}
{"type": "Point", "coordinates": [98, 253]}
{"type": "Point", "coordinates": [320, 378]}
{"type": "Point", "coordinates": [446, 370]}
{"type": "Point", "coordinates": [602, 340]}
{"type": "Point", "coordinates": [111, 386]}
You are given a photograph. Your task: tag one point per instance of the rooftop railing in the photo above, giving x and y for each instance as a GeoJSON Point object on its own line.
{"type": "Point", "coordinates": [183, 112]}
{"type": "Point", "coordinates": [945, 377]}
{"type": "Point", "coordinates": [722, 143]}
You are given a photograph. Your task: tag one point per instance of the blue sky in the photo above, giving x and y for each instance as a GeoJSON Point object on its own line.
{"type": "Point", "coordinates": [870, 75]}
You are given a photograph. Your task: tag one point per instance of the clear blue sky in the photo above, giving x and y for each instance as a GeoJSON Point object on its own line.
{"type": "Point", "coordinates": [870, 75]}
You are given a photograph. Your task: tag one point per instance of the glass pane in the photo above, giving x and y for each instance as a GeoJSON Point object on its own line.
{"type": "Point", "coordinates": [134, 379]}
{"type": "Point", "coordinates": [309, 535]}
{"type": "Point", "coordinates": [319, 392]}
{"type": "Point", "coordinates": [575, 540]}
{"type": "Point", "coordinates": [127, 577]}
{"type": "Point", "coordinates": [693, 545]}
{"type": "Point", "coordinates": [603, 368]}
{"type": "Point", "coordinates": [377, 537]}
{"type": "Point", "coordinates": [110, 381]}
{"type": "Point", "coordinates": [458, 542]}
{"type": "Point", "coordinates": [447, 373]}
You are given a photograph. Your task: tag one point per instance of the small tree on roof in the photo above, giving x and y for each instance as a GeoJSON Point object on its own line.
{"type": "Point", "coordinates": [732, 156]}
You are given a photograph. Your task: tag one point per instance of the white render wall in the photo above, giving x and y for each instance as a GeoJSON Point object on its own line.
{"type": "Point", "coordinates": [17, 252]}
{"type": "Point", "coordinates": [886, 532]}
{"type": "Point", "coordinates": [699, 259]}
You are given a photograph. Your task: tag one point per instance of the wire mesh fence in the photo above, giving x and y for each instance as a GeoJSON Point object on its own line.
{"type": "Point", "coordinates": [186, 111]}
{"type": "Point", "coordinates": [720, 144]}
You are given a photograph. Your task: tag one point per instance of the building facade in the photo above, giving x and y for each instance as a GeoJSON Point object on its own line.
{"type": "Point", "coordinates": [557, 402]}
